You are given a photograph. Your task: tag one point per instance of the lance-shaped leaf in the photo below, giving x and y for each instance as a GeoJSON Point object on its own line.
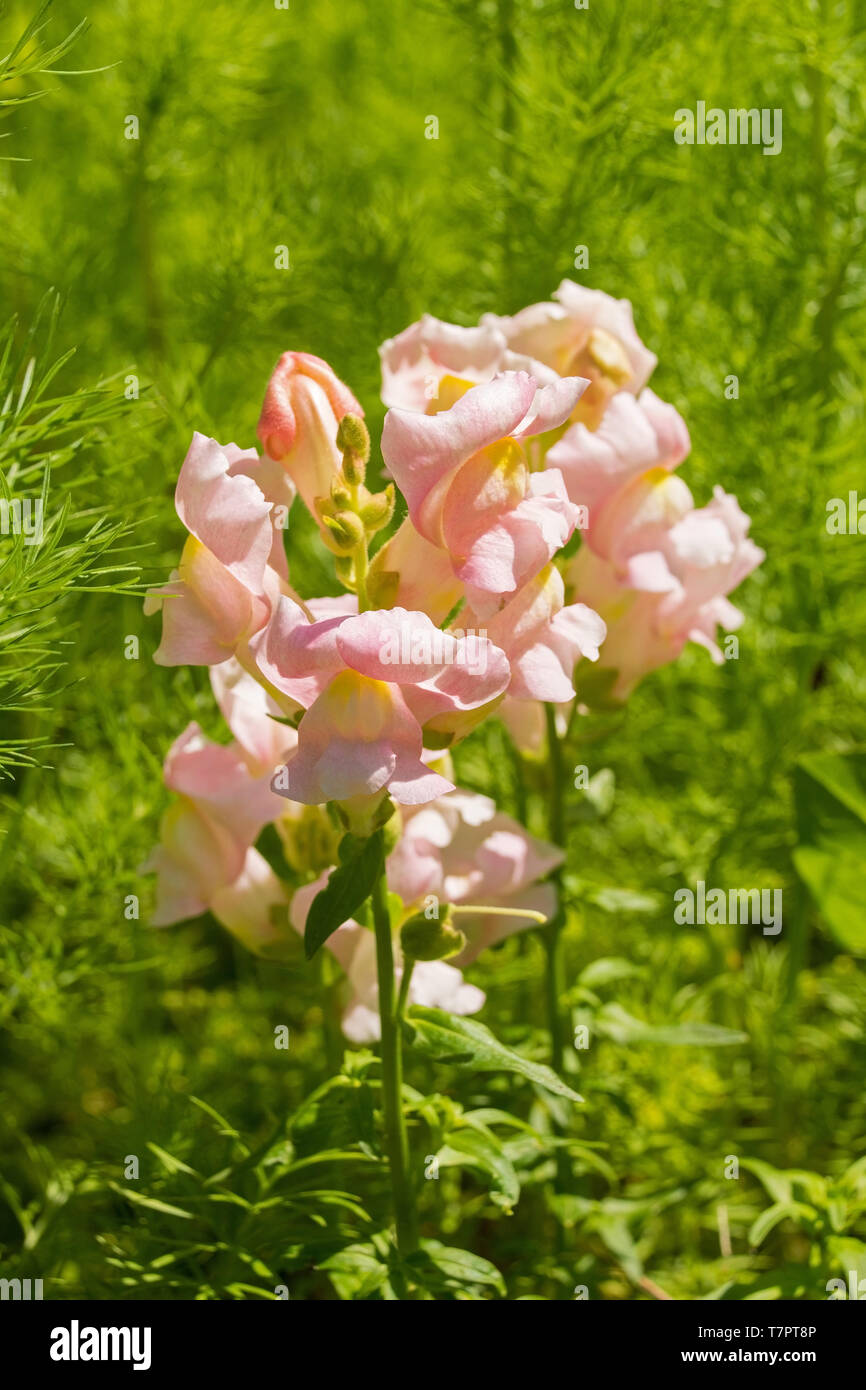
{"type": "Point", "coordinates": [468, 1043]}
{"type": "Point", "coordinates": [350, 884]}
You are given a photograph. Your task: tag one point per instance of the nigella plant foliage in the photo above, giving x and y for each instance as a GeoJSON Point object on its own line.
{"type": "Point", "coordinates": [503, 440]}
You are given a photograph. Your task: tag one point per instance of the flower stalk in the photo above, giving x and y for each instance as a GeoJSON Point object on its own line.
{"type": "Point", "coordinates": [555, 969]}
{"type": "Point", "coordinates": [396, 1142]}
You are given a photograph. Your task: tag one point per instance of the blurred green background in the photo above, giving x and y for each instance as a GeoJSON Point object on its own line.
{"type": "Point", "coordinates": [304, 127]}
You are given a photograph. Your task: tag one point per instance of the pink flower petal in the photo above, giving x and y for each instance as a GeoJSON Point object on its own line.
{"type": "Point", "coordinates": [228, 514]}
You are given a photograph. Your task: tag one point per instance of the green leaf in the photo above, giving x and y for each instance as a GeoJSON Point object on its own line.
{"type": "Point", "coordinates": [606, 970]}
{"type": "Point", "coordinates": [356, 1271]}
{"type": "Point", "coordinates": [152, 1203]}
{"type": "Point", "coordinates": [468, 1043]}
{"type": "Point", "coordinates": [830, 793]}
{"type": "Point", "coordinates": [776, 1183]}
{"type": "Point", "coordinates": [481, 1149]}
{"type": "Point", "coordinates": [169, 1162]}
{"type": "Point", "coordinates": [339, 1113]}
{"type": "Point", "coordinates": [615, 1234]}
{"type": "Point", "coordinates": [224, 1126]}
{"type": "Point", "coordinates": [598, 798]}
{"type": "Point", "coordinates": [848, 1253]}
{"type": "Point", "coordinates": [614, 900]}
{"type": "Point", "coordinates": [780, 1211]}
{"type": "Point", "coordinates": [613, 1022]}
{"type": "Point", "coordinates": [793, 1282]}
{"type": "Point", "coordinates": [436, 1266]}
{"type": "Point", "coordinates": [349, 885]}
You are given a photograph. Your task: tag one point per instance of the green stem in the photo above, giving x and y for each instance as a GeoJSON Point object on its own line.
{"type": "Point", "coordinates": [361, 567]}
{"type": "Point", "coordinates": [361, 559]}
{"type": "Point", "coordinates": [392, 1075]}
{"type": "Point", "coordinates": [330, 1012]}
{"type": "Point", "coordinates": [402, 1000]}
{"type": "Point", "coordinates": [555, 973]}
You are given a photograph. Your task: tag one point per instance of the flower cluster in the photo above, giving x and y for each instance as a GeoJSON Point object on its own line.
{"type": "Point", "coordinates": [657, 569]}
{"type": "Point", "coordinates": [502, 440]}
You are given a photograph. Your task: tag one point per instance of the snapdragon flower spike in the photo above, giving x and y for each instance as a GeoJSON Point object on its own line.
{"type": "Point", "coordinates": [303, 406]}
{"type": "Point", "coordinates": [370, 684]}
{"type": "Point", "coordinates": [233, 564]}
{"type": "Point", "coordinates": [635, 434]}
{"type": "Point", "coordinates": [468, 484]}
{"type": "Point", "coordinates": [460, 849]}
{"type": "Point", "coordinates": [588, 333]}
{"type": "Point", "coordinates": [435, 984]}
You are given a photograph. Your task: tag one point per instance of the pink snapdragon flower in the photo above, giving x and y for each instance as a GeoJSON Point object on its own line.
{"type": "Point", "coordinates": [659, 572]}
{"type": "Point", "coordinates": [435, 984]}
{"type": "Point", "coordinates": [585, 333]}
{"type": "Point", "coordinates": [303, 406]}
{"type": "Point", "coordinates": [253, 715]}
{"type": "Point", "coordinates": [461, 850]}
{"type": "Point", "coordinates": [372, 686]}
{"type": "Point", "coordinates": [467, 479]}
{"type": "Point", "coordinates": [635, 435]}
{"type": "Point", "coordinates": [543, 638]}
{"type": "Point", "coordinates": [205, 859]}
{"type": "Point", "coordinates": [431, 364]}
{"type": "Point", "coordinates": [233, 564]}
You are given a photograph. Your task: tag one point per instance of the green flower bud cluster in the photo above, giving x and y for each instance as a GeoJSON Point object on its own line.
{"type": "Point", "coordinates": [351, 514]}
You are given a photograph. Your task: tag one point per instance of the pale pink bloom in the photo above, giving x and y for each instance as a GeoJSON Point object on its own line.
{"type": "Point", "coordinates": [254, 908]}
{"type": "Point", "coordinates": [462, 850]}
{"type": "Point", "coordinates": [205, 858]}
{"type": "Point", "coordinates": [431, 363]}
{"type": "Point", "coordinates": [225, 497]}
{"type": "Point", "coordinates": [633, 436]}
{"type": "Point", "coordinates": [543, 638]}
{"type": "Point", "coordinates": [371, 684]}
{"type": "Point", "coordinates": [525, 722]}
{"type": "Point", "coordinates": [710, 551]}
{"type": "Point", "coordinates": [253, 716]}
{"type": "Point", "coordinates": [303, 406]}
{"type": "Point", "coordinates": [631, 529]}
{"type": "Point", "coordinates": [435, 984]}
{"type": "Point", "coordinates": [586, 333]}
{"type": "Point", "coordinates": [233, 564]}
{"type": "Point", "coordinates": [468, 484]}
{"type": "Point", "coordinates": [216, 778]}
{"type": "Point", "coordinates": [654, 601]}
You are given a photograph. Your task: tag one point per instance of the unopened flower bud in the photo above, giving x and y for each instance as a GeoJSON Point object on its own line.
{"type": "Point", "coordinates": [354, 441]}
{"type": "Point", "coordinates": [345, 532]}
{"type": "Point", "coordinates": [353, 436]}
{"type": "Point", "coordinates": [303, 406]}
{"type": "Point", "coordinates": [423, 938]}
{"type": "Point", "coordinates": [340, 494]}
{"type": "Point", "coordinates": [377, 512]}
